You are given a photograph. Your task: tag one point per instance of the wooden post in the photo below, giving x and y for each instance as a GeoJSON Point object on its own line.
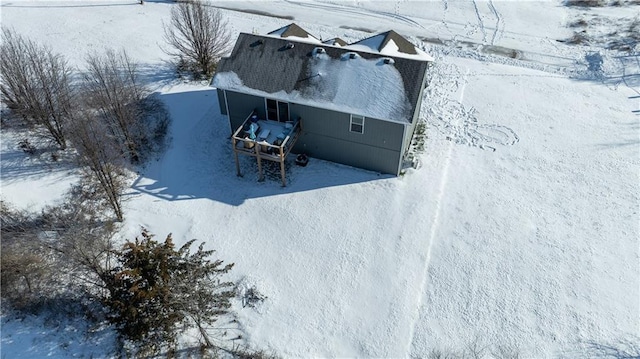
{"type": "Point", "coordinates": [257, 150]}
{"type": "Point", "coordinates": [284, 180]}
{"type": "Point", "coordinates": [235, 153]}
{"type": "Point", "coordinates": [237, 164]}
{"type": "Point", "coordinates": [282, 173]}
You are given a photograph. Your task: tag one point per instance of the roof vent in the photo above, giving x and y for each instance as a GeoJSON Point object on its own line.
{"type": "Point", "coordinates": [317, 51]}
{"type": "Point", "coordinates": [389, 61]}
{"type": "Point", "coordinates": [289, 45]}
{"type": "Point", "coordinates": [350, 55]}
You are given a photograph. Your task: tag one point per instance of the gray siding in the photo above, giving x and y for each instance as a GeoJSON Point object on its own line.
{"type": "Point", "coordinates": [223, 106]}
{"type": "Point", "coordinates": [241, 105]}
{"type": "Point", "coordinates": [408, 136]}
{"type": "Point", "coordinates": [325, 134]}
{"type": "Point", "coordinates": [349, 153]}
{"type": "Point", "coordinates": [416, 115]}
{"type": "Point", "coordinates": [377, 133]}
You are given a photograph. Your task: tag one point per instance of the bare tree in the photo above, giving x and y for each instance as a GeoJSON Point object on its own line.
{"type": "Point", "coordinates": [115, 120]}
{"type": "Point", "coordinates": [53, 254]}
{"type": "Point", "coordinates": [100, 153]}
{"type": "Point", "coordinates": [198, 36]}
{"type": "Point", "coordinates": [24, 268]}
{"type": "Point", "coordinates": [112, 88]}
{"type": "Point", "coordinates": [36, 84]}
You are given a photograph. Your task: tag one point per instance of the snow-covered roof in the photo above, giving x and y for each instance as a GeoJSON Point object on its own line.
{"type": "Point", "coordinates": [392, 44]}
{"type": "Point", "coordinates": [359, 86]}
{"type": "Point", "coordinates": [336, 41]}
{"type": "Point", "coordinates": [294, 32]}
{"type": "Point", "coordinates": [344, 79]}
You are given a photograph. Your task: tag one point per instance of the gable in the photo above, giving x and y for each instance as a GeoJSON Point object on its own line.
{"type": "Point", "coordinates": [294, 32]}
{"type": "Point", "coordinates": [392, 44]}
{"type": "Point", "coordinates": [336, 41]}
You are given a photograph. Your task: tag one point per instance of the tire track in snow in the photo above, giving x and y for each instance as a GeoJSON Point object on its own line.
{"type": "Point", "coordinates": [499, 30]}
{"type": "Point", "coordinates": [445, 23]}
{"type": "Point", "coordinates": [480, 22]}
{"type": "Point", "coordinates": [358, 11]}
{"type": "Point", "coordinates": [434, 229]}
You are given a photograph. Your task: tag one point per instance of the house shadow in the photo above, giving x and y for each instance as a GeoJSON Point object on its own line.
{"type": "Point", "coordinates": [199, 161]}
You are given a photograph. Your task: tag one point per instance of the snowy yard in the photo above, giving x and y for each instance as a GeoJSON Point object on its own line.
{"type": "Point", "coordinates": [520, 229]}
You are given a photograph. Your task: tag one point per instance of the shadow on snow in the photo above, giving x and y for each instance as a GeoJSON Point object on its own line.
{"type": "Point", "coordinates": [16, 165]}
{"type": "Point", "coordinates": [199, 161]}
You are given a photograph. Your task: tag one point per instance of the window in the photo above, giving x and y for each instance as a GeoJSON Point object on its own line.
{"type": "Point", "coordinates": [357, 124]}
{"type": "Point", "coordinates": [277, 111]}
{"type": "Point", "coordinates": [283, 111]}
{"type": "Point", "coordinates": [272, 110]}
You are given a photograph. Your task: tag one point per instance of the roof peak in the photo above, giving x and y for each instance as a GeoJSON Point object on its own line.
{"type": "Point", "coordinates": [379, 41]}
{"type": "Point", "coordinates": [388, 43]}
{"type": "Point", "coordinates": [292, 30]}
{"type": "Point", "coordinates": [336, 41]}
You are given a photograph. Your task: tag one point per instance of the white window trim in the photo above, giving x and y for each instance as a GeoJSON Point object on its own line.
{"type": "Point", "coordinates": [288, 110]}
{"type": "Point", "coordinates": [351, 122]}
{"type": "Point", "coordinates": [266, 108]}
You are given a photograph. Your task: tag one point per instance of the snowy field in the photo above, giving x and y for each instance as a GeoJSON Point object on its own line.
{"type": "Point", "coordinates": [519, 231]}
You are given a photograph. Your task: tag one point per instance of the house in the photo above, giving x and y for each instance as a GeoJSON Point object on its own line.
{"type": "Point", "coordinates": [355, 104]}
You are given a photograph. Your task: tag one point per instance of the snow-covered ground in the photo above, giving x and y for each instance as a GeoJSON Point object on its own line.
{"type": "Point", "coordinates": [519, 230]}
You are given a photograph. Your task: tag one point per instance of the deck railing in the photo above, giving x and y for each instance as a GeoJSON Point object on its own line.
{"type": "Point", "coordinates": [261, 149]}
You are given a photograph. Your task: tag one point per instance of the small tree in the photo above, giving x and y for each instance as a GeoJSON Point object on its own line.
{"type": "Point", "coordinates": [53, 254]}
{"type": "Point", "coordinates": [198, 36]}
{"type": "Point", "coordinates": [157, 291]}
{"type": "Point", "coordinates": [101, 155]}
{"type": "Point", "coordinates": [25, 269]}
{"type": "Point", "coordinates": [111, 87]}
{"type": "Point", "coordinates": [36, 84]}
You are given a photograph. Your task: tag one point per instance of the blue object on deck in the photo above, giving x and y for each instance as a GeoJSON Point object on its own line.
{"type": "Point", "coordinates": [252, 130]}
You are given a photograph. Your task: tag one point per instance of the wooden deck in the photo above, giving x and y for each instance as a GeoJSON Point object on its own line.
{"type": "Point", "coordinates": [273, 142]}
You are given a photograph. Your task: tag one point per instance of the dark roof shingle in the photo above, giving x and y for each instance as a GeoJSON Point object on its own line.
{"type": "Point", "coordinates": [266, 64]}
